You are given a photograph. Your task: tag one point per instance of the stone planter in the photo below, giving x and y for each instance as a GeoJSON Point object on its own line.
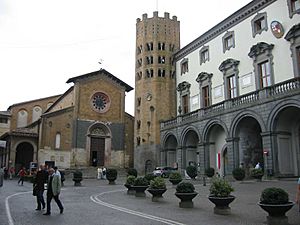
{"type": "Point", "coordinates": [186, 199]}
{"type": "Point", "coordinates": [156, 194]}
{"type": "Point", "coordinates": [276, 213]}
{"type": "Point", "coordinates": [175, 181]}
{"type": "Point", "coordinates": [221, 204]}
{"type": "Point", "coordinates": [130, 190]}
{"type": "Point", "coordinates": [140, 190]}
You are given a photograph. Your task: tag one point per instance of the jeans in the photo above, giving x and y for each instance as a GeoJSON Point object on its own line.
{"type": "Point", "coordinates": [40, 199]}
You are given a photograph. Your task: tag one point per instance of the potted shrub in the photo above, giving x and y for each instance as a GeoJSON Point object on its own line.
{"type": "Point", "coordinates": [77, 178]}
{"type": "Point", "coordinates": [275, 201]}
{"type": "Point", "coordinates": [192, 171]}
{"type": "Point", "coordinates": [140, 185]}
{"type": "Point", "coordinates": [132, 172]}
{"type": "Point", "coordinates": [150, 176]}
{"type": "Point", "coordinates": [239, 174]}
{"type": "Point", "coordinates": [257, 174]}
{"type": "Point", "coordinates": [185, 191]}
{"type": "Point", "coordinates": [175, 178]}
{"type": "Point", "coordinates": [129, 183]}
{"type": "Point", "coordinates": [157, 188]}
{"type": "Point", "coordinates": [220, 191]}
{"type": "Point", "coordinates": [210, 172]}
{"type": "Point", "coordinates": [111, 175]}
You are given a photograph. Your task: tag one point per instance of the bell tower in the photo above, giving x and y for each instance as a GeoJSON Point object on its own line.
{"type": "Point", "coordinates": [157, 39]}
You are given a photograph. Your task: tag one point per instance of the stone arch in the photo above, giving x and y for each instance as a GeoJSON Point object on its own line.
{"type": "Point", "coordinates": [24, 154]}
{"type": "Point", "coordinates": [284, 125]}
{"type": "Point", "coordinates": [169, 150]}
{"type": "Point", "coordinates": [99, 144]}
{"type": "Point", "coordinates": [190, 140]}
{"type": "Point", "coordinates": [247, 148]}
{"type": "Point", "coordinates": [240, 116]}
{"type": "Point", "coordinates": [215, 134]}
{"type": "Point", "coordinates": [185, 131]}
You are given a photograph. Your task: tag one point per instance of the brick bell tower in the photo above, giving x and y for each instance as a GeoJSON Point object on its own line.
{"type": "Point", "coordinates": [157, 39]}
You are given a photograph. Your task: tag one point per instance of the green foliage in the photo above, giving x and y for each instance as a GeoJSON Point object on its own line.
{"type": "Point", "coordinates": [220, 188]}
{"type": "Point", "coordinates": [130, 180]}
{"type": "Point", "coordinates": [191, 171]}
{"type": "Point", "coordinates": [150, 176]}
{"type": "Point", "coordinates": [274, 196]}
{"type": "Point", "coordinates": [158, 183]}
{"type": "Point", "coordinates": [111, 174]}
{"type": "Point", "coordinates": [185, 187]}
{"type": "Point", "coordinates": [141, 181]}
{"type": "Point", "coordinates": [256, 173]}
{"type": "Point", "coordinates": [210, 172]}
{"type": "Point", "coordinates": [238, 173]}
{"type": "Point", "coordinates": [175, 176]}
{"type": "Point", "coordinates": [132, 172]}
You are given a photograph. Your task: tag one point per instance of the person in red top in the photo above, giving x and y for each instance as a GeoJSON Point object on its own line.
{"type": "Point", "coordinates": [21, 175]}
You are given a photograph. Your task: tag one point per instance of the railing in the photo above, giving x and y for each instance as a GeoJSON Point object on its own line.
{"type": "Point", "coordinates": [278, 89]}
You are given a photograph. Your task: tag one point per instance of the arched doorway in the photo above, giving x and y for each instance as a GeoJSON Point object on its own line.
{"type": "Point", "coordinates": [286, 129]}
{"type": "Point", "coordinates": [250, 146]}
{"type": "Point", "coordinates": [189, 153]}
{"type": "Point", "coordinates": [224, 170]}
{"type": "Point", "coordinates": [168, 155]}
{"type": "Point", "coordinates": [100, 142]}
{"type": "Point", "coordinates": [24, 155]}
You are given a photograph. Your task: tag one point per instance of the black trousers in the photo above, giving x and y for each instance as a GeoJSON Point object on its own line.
{"type": "Point", "coordinates": [40, 199]}
{"type": "Point", "coordinates": [56, 198]}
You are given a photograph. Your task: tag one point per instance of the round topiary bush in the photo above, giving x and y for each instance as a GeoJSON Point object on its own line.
{"type": "Point", "coordinates": [111, 174]}
{"type": "Point", "coordinates": [77, 177]}
{"type": "Point", "coordinates": [210, 172]}
{"type": "Point", "coordinates": [185, 187]}
{"type": "Point", "coordinates": [175, 176]}
{"type": "Point", "coordinates": [158, 183]}
{"type": "Point", "coordinates": [220, 188]}
{"type": "Point", "coordinates": [274, 196]}
{"type": "Point", "coordinates": [130, 180]}
{"type": "Point", "coordinates": [238, 174]}
{"type": "Point", "coordinates": [191, 171]}
{"type": "Point", "coordinates": [141, 181]}
{"type": "Point", "coordinates": [132, 172]}
{"type": "Point", "coordinates": [257, 173]}
{"type": "Point", "coordinates": [150, 176]}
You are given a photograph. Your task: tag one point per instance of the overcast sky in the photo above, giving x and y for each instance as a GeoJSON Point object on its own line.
{"type": "Point", "coordinates": [43, 43]}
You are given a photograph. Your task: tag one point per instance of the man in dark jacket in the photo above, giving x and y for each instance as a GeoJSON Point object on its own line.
{"type": "Point", "coordinates": [40, 180]}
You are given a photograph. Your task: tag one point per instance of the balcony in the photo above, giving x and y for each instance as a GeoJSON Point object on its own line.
{"type": "Point", "coordinates": [281, 90]}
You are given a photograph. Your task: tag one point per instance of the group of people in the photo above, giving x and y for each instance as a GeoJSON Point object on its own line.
{"type": "Point", "coordinates": [101, 173]}
{"type": "Point", "coordinates": [52, 178]}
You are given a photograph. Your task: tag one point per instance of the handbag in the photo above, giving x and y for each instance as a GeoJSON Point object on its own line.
{"type": "Point", "coordinates": [35, 191]}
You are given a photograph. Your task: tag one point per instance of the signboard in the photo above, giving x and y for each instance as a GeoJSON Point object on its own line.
{"type": "Point", "coordinates": [2, 144]}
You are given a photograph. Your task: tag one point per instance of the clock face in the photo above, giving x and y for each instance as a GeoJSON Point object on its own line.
{"type": "Point", "coordinates": [100, 102]}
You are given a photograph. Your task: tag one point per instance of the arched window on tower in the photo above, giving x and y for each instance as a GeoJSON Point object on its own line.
{"type": "Point", "coordinates": [22, 118]}
{"type": "Point", "coordinates": [36, 113]}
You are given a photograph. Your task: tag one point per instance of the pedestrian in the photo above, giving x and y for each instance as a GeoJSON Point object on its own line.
{"type": "Point", "coordinates": [257, 166]}
{"type": "Point", "coordinates": [39, 184]}
{"type": "Point", "coordinates": [298, 194]}
{"type": "Point", "coordinates": [21, 175]}
{"type": "Point", "coordinates": [53, 191]}
{"type": "Point", "coordinates": [104, 172]}
{"type": "Point", "coordinates": [99, 174]}
{"type": "Point", "coordinates": [11, 172]}
{"type": "Point", "coordinates": [5, 173]}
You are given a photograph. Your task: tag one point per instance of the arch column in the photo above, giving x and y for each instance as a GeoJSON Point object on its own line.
{"type": "Point", "coordinates": [267, 146]}
{"type": "Point", "coordinates": [179, 157]}
{"type": "Point", "coordinates": [232, 153]}
{"type": "Point", "coordinates": [201, 157]}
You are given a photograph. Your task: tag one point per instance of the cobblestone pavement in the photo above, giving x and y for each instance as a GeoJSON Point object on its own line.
{"type": "Point", "coordinates": [96, 202]}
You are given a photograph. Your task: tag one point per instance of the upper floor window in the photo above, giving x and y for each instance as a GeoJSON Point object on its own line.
{"type": "Point", "coordinates": [294, 7]}
{"type": "Point", "coordinates": [264, 70]}
{"type": "Point", "coordinates": [57, 140]}
{"type": "Point", "coordinates": [204, 80]}
{"type": "Point", "coordinates": [139, 99]}
{"type": "Point", "coordinates": [184, 66]}
{"type": "Point", "coordinates": [261, 53]}
{"type": "Point", "coordinates": [205, 96]}
{"type": "Point", "coordinates": [231, 87]}
{"type": "Point", "coordinates": [259, 24]}
{"type": "Point", "coordinates": [161, 59]}
{"type": "Point", "coordinates": [139, 49]}
{"type": "Point", "coordinates": [149, 46]}
{"type": "Point", "coordinates": [171, 47]}
{"type": "Point", "coordinates": [185, 104]}
{"type": "Point", "coordinates": [149, 59]}
{"type": "Point", "coordinates": [230, 70]}
{"type": "Point", "coordinates": [184, 92]}
{"type": "Point", "coordinates": [149, 73]}
{"type": "Point", "coordinates": [139, 75]}
{"type": "Point", "coordinates": [228, 41]}
{"type": "Point", "coordinates": [204, 54]}
{"type": "Point", "coordinates": [161, 46]}
{"type": "Point", "coordinates": [139, 62]}
{"type": "Point", "coordinates": [161, 73]}
{"type": "Point", "coordinates": [293, 36]}
{"type": "Point", "coordinates": [3, 120]}
{"type": "Point", "coordinates": [36, 113]}
{"type": "Point", "coordinates": [22, 118]}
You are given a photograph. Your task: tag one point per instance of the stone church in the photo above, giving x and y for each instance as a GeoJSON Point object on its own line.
{"type": "Point", "coordinates": [87, 125]}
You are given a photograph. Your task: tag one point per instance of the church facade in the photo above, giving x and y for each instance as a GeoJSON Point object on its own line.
{"type": "Point", "coordinates": [85, 126]}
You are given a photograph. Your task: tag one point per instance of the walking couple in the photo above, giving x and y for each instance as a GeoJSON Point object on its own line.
{"type": "Point", "coordinates": [53, 178]}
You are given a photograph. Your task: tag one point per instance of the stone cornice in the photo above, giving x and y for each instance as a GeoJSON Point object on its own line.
{"type": "Point", "coordinates": [231, 21]}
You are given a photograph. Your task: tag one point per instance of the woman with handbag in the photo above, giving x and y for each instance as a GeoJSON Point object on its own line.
{"type": "Point", "coordinates": [38, 187]}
